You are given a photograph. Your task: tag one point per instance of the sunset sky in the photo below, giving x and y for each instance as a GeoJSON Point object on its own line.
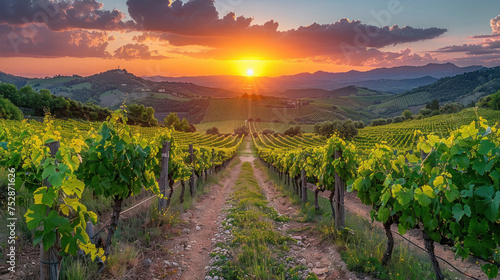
{"type": "Point", "coordinates": [228, 37]}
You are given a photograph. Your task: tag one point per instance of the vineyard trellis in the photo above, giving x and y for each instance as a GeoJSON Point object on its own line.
{"type": "Point", "coordinates": [449, 187]}
{"type": "Point", "coordinates": [114, 161]}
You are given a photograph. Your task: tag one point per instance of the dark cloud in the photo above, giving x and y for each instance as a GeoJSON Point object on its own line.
{"type": "Point", "coordinates": [63, 15]}
{"type": "Point", "coordinates": [196, 17]}
{"type": "Point", "coordinates": [485, 36]}
{"type": "Point", "coordinates": [348, 42]}
{"type": "Point", "coordinates": [36, 40]}
{"type": "Point", "coordinates": [136, 51]}
{"type": "Point", "coordinates": [473, 49]}
{"type": "Point", "coordinates": [197, 22]}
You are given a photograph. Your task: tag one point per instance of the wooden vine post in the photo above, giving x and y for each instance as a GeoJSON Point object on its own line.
{"type": "Point", "coordinates": [165, 155]}
{"type": "Point", "coordinates": [303, 185]}
{"type": "Point", "coordinates": [213, 157]}
{"type": "Point", "coordinates": [49, 259]}
{"type": "Point", "coordinates": [192, 188]}
{"type": "Point", "coordinates": [339, 197]}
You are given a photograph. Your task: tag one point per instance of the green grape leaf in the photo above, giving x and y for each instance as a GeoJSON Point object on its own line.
{"type": "Point", "coordinates": [489, 202]}
{"type": "Point", "coordinates": [35, 215]}
{"type": "Point", "coordinates": [383, 214]}
{"type": "Point", "coordinates": [45, 196]}
{"type": "Point", "coordinates": [485, 147]}
{"type": "Point", "coordinates": [490, 270]}
{"type": "Point", "coordinates": [401, 229]}
{"type": "Point", "coordinates": [459, 212]}
{"type": "Point", "coordinates": [52, 221]}
{"type": "Point", "coordinates": [49, 239]}
{"type": "Point", "coordinates": [479, 246]}
{"type": "Point", "coordinates": [422, 199]}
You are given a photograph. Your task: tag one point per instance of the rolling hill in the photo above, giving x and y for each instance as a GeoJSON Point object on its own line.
{"type": "Point", "coordinates": [116, 87]}
{"type": "Point", "coordinates": [462, 88]}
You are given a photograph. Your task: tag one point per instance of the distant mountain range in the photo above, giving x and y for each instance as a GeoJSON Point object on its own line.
{"type": "Point", "coordinates": [394, 80]}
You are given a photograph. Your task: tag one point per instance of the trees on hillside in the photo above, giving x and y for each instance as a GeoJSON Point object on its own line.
{"type": "Point", "coordinates": [293, 131]}
{"type": "Point", "coordinates": [43, 102]}
{"type": "Point", "coordinates": [242, 130]}
{"type": "Point", "coordinates": [140, 115]}
{"type": "Point", "coordinates": [172, 121]}
{"type": "Point", "coordinates": [9, 110]}
{"type": "Point", "coordinates": [347, 129]}
{"type": "Point", "coordinates": [214, 130]}
{"type": "Point", "coordinates": [491, 101]}
{"type": "Point", "coordinates": [407, 114]}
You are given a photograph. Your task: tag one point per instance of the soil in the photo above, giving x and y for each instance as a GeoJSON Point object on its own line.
{"type": "Point", "coordinates": [191, 248]}
{"type": "Point", "coordinates": [323, 257]}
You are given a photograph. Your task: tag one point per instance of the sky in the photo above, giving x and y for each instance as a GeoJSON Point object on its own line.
{"type": "Point", "coordinates": [41, 38]}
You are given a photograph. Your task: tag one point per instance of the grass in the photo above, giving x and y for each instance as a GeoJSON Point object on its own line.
{"type": "Point", "coordinates": [123, 258]}
{"type": "Point", "coordinates": [258, 250]}
{"type": "Point", "coordinates": [78, 268]}
{"type": "Point", "coordinates": [362, 243]}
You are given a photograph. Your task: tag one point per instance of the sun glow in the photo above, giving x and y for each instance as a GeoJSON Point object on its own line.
{"type": "Point", "coordinates": [250, 72]}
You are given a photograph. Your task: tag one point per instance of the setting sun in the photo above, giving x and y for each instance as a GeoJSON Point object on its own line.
{"type": "Point", "coordinates": [250, 72]}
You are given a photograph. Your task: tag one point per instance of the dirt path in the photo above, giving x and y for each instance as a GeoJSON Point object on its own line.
{"type": "Point", "coordinates": [193, 246]}
{"type": "Point", "coordinates": [190, 250]}
{"type": "Point", "coordinates": [321, 258]}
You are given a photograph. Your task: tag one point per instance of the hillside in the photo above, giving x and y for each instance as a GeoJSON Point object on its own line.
{"type": "Point", "coordinates": [462, 88]}
{"type": "Point", "coordinates": [397, 86]}
{"type": "Point", "coordinates": [350, 90]}
{"type": "Point", "coordinates": [113, 88]}
{"type": "Point", "coordinates": [340, 104]}
{"type": "Point", "coordinates": [11, 79]}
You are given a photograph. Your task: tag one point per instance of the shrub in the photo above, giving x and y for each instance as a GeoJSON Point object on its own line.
{"type": "Point", "coordinates": [407, 114]}
{"type": "Point", "coordinates": [293, 131]}
{"type": "Point", "coordinates": [9, 110]}
{"type": "Point", "coordinates": [397, 119]}
{"type": "Point", "coordinates": [345, 129]}
{"type": "Point", "coordinates": [425, 112]}
{"type": "Point", "coordinates": [214, 130]}
{"type": "Point", "coordinates": [242, 130]}
{"type": "Point", "coordinates": [268, 131]}
{"type": "Point", "coordinates": [379, 122]}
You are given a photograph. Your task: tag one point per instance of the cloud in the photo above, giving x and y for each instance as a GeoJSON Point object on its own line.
{"type": "Point", "coordinates": [196, 17]}
{"type": "Point", "coordinates": [36, 40]}
{"type": "Point", "coordinates": [63, 15]}
{"type": "Point", "coordinates": [495, 24]}
{"type": "Point", "coordinates": [341, 41]}
{"type": "Point", "coordinates": [473, 49]}
{"type": "Point", "coordinates": [136, 51]}
{"type": "Point", "coordinates": [485, 51]}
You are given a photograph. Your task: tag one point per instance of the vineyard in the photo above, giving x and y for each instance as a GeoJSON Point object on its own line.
{"type": "Point", "coordinates": [404, 136]}
{"type": "Point", "coordinates": [448, 186]}
{"type": "Point", "coordinates": [57, 160]}
{"type": "Point", "coordinates": [436, 178]}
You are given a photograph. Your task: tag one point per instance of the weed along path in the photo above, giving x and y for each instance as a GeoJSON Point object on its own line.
{"type": "Point", "coordinates": [242, 228]}
{"type": "Point", "coordinates": [321, 258]}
